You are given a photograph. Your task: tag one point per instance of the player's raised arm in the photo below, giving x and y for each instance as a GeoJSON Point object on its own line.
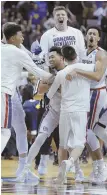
{"type": "Point", "coordinates": [100, 66]}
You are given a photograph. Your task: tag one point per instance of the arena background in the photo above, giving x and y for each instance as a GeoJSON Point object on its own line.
{"type": "Point", "coordinates": [35, 17]}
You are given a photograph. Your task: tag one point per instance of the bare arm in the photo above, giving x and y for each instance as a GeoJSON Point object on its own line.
{"type": "Point", "coordinates": [101, 58]}
{"type": "Point", "coordinates": [96, 76]}
{"type": "Point", "coordinates": [101, 61]}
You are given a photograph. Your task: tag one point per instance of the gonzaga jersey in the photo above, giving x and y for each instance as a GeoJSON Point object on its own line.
{"type": "Point", "coordinates": [55, 102]}
{"type": "Point", "coordinates": [91, 59]}
{"type": "Point", "coordinates": [13, 60]}
{"type": "Point", "coordinates": [71, 36]}
{"type": "Point", "coordinates": [75, 95]}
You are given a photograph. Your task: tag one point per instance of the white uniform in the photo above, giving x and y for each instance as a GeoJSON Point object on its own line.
{"type": "Point", "coordinates": [18, 123]}
{"type": "Point", "coordinates": [75, 104]}
{"type": "Point", "coordinates": [18, 119]}
{"type": "Point", "coordinates": [98, 92]}
{"type": "Point", "coordinates": [12, 62]}
{"type": "Point", "coordinates": [50, 119]}
{"type": "Point", "coordinates": [53, 37]}
{"type": "Point", "coordinates": [71, 36]}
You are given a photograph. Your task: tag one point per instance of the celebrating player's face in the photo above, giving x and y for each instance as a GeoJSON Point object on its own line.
{"type": "Point", "coordinates": [54, 59]}
{"type": "Point", "coordinates": [18, 38]}
{"type": "Point", "coordinates": [60, 18]}
{"type": "Point", "coordinates": [92, 37]}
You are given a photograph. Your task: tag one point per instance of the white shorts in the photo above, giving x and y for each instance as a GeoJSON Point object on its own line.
{"type": "Point", "coordinates": [72, 129]}
{"type": "Point", "coordinates": [18, 114]}
{"type": "Point", "coordinates": [103, 117]}
{"type": "Point", "coordinates": [6, 110]}
{"type": "Point", "coordinates": [101, 129]}
{"type": "Point", "coordinates": [49, 122]}
{"type": "Point", "coordinates": [97, 102]}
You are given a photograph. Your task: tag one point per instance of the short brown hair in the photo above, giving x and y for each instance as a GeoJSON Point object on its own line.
{"type": "Point", "coordinates": [11, 30]}
{"type": "Point", "coordinates": [6, 24]}
{"type": "Point", "coordinates": [69, 53]}
{"type": "Point", "coordinates": [57, 8]}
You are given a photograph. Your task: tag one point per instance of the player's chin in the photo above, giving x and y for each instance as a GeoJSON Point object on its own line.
{"type": "Point", "coordinates": [52, 66]}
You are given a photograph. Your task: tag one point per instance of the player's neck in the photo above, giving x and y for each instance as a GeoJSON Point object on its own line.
{"type": "Point", "coordinates": [61, 66]}
{"type": "Point", "coordinates": [71, 62]}
{"type": "Point", "coordinates": [61, 28]}
{"type": "Point", "coordinates": [11, 43]}
{"type": "Point", "coordinates": [90, 49]}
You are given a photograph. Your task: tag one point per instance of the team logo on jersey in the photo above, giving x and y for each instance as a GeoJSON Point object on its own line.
{"type": "Point", "coordinates": [65, 40]}
{"type": "Point", "coordinates": [90, 56]}
{"type": "Point", "coordinates": [85, 61]}
{"type": "Point", "coordinates": [45, 128]}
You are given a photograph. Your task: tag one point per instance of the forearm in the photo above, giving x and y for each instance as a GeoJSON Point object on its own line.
{"type": "Point", "coordinates": [36, 71]}
{"type": "Point", "coordinates": [89, 75]}
{"type": "Point", "coordinates": [54, 87]}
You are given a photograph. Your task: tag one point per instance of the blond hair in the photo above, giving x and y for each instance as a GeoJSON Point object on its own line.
{"type": "Point", "coordinates": [58, 8]}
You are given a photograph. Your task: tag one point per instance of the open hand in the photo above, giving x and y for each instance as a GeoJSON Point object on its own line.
{"type": "Point", "coordinates": [71, 75]}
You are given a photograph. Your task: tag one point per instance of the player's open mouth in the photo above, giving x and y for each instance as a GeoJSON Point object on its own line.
{"type": "Point", "coordinates": [52, 65]}
{"type": "Point", "coordinates": [91, 40]}
{"type": "Point", "coordinates": [61, 21]}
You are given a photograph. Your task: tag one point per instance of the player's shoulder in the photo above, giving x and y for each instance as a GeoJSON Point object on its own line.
{"type": "Point", "coordinates": [100, 52]}
{"type": "Point", "coordinates": [61, 72]}
{"type": "Point", "coordinates": [9, 47]}
{"type": "Point", "coordinates": [100, 49]}
{"type": "Point", "coordinates": [19, 53]}
{"type": "Point", "coordinates": [74, 29]}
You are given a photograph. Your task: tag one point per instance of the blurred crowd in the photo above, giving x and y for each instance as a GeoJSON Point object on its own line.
{"type": "Point", "coordinates": [35, 17]}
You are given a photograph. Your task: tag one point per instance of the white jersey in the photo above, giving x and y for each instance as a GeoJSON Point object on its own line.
{"type": "Point", "coordinates": [55, 102]}
{"type": "Point", "coordinates": [26, 50]}
{"type": "Point", "coordinates": [91, 59]}
{"type": "Point", "coordinates": [75, 94]}
{"type": "Point", "coordinates": [71, 36]}
{"type": "Point", "coordinates": [13, 60]}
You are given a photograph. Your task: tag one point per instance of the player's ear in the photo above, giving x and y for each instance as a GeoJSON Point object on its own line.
{"type": "Point", "coordinates": [62, 58]}
{"type": "Point", "coordinates": [12, 39]}
{"type": "Point", "coordinates": [99, 39]}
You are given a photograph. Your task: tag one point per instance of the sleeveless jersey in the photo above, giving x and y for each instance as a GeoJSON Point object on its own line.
{"type": "Point", "coordinates": [91, 59]}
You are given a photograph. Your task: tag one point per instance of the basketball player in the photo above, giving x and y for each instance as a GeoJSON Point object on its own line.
{"type": "Point", "coordinates": [75, 102]}
{"type": "Point", "coordinates": [98, 99]}
{"type": "Point", "coordinates": [60, 35]}
{"type": "Point", "coordinates": [50, 118]}
{"type": "Point", "coordinates": [13, 61]}
{"type": "Point", "coordinates": [18, 115]}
